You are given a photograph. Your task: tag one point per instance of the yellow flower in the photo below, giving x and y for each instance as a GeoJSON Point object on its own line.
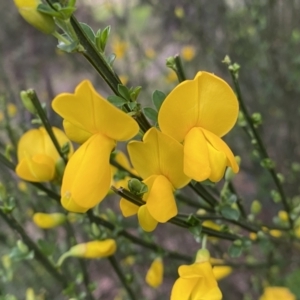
{"type": "Point", "coordinates": [94, 249]}
{"type": "Point", "coordinates": [283, 216]}
{"type": "Point", "coordinates": [159, 160]}
{"type": "Point", "coordinates": [119, 47]}
{"type": "Point", "coordinates": [47, 221]}
{"type": "Point", "coordinates": [154, 276]}
{"type": "Point", "coordinates": [277, 293]}
{"type": "Point", "coordinates": [171, 77]}
{"type": "Point", "coordinates": [37, 155]}
{"type": "Point", "coordinates": [93, 121]}
{"type": "Point", "coordinates": [198, 113]}
{"type": "Point", "coordinates": [28, 10]}
{"type": "Point", "coordinates": [150, 53]}
{"type": "Point", "coordinates": [188, 53]}
{"type": "Point", "coordinates": [196, 282]}
{"type": "Point", "coordinates": [11, 109]}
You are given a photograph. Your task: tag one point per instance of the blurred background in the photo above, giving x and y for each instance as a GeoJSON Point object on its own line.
{"type": "Point", "coordinates": [262, 36]}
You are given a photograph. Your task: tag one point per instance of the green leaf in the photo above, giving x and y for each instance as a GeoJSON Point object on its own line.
{"type": "Point", "coordinates": [123, 90]}
{"type": "Point", "coordinates": [158, 98]}
{"type": "Point", "coordinates": [104, 37]}
{"type": "Point", "coordinates": [46, 9]}
{"type": "Point", "coordinates": [116, 100]}
{"type": "Point", "coordinates": [68, 48]}
{"type": "Point", "coordinates": [88, 31]}
{"type": "Point", "coordinates": [110, 59]}
{"type": "Point", "coordinates": [229, 213]}
{"type": "Point", "coordinates": [150, 113]}
{"type": "Point", "coordinates": [67, 12]}
{"type": "Point", "coordinates": [46, 247]}
{"type": "Point", "coordinates": [135, 93]}
{"type": "Point", "coordinates": [235, 250]}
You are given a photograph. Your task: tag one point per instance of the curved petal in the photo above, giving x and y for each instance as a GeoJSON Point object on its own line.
{"type": "Point", "coordinates": [221, 272]}
{"type": "Point", "coordinates": [128, 209]}
{"type": "Point", "coordinates": [190, 271]}
{"type": "Point", "coordinates": [75, 133]}
{"type": "Point", "coordinates": [217, 161]}
{"type": "Point", "coordinates": [87, 175]}
{"type": "Point", "coordinates": [147, 222]}
{"type": "Point", "coordinates": [68, 204]}
{"type": "Point", "coordinates": [220, 145]}
{"type": "Point", "coordinates": [196, 157]}
{"type": "Point", "coordinates": [207, 101]}
{"type": "Point", "coordinates": [154, 276]}
{"type": "Point", "coordinates": [160, 200]}
{"type": "Point", "coordinates": [89, 111]}
{"type": "Point", "coordinates": [202, 292]}
{"type": "Point", "coordinates": [39, 168]}
{"type": "Point", "coordinates": [183, 287]}
{"type": "Point", "coordinates": [37, 141]}
{"type": "Point", "coordinates": [158, 154]}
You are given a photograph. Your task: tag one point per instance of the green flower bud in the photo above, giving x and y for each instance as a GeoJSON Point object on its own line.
{"type": "Point", "coordinates": [255, 207]}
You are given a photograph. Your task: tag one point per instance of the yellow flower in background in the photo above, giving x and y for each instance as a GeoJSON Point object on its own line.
{"type": "Point", "coordinates": [93, 121]}
{"type": "Point", "coordinates": [119, 47]}
{"type": "Point", "coordinates": [47, 221]}
{"type": "Point", "coordinates": [28, 10]}
{"type": "Point", "coordinates": [158, 160]}
{"type": "Point", "coordinates": [198, 113]}
{"type": "Point", "coordinates": [94, 249]}
{"type": "Point", "coordinates": [154, 276]}
{"type": "Point", "coordinates": [196, 282]}
{"type": "Point", "coordinates": [277, 293]}
{"type": "Point", "coordinates": [150, 53]}
{"type": "Point", "coordinates": [188, 53]}
{"type": "Point", "coordinates": [171, 77]}
{"type": "Point", "coordinates": [37, 155]}
{"type": "Point", "coordinates": [124, 79]}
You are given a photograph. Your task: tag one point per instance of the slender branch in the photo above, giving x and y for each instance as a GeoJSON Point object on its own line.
{"type": "Point", "coordinates": [41, 113]}
{"type": "Point", "coordinates": [121, 276]}
{"type": "Point", "coordinates": [261, 146]}
{"type": "Point", "coordinates": [201, 191]}
{"type": "Point", "coordinates": [13, 224]}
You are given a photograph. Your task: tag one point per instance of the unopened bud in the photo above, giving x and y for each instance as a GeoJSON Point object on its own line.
{"type": "Point", "coordinates": [47, 221]}
{"type": "Point", "coordinates": [256, 207]}
{"type": "Point", "coordinates": [202, 255]}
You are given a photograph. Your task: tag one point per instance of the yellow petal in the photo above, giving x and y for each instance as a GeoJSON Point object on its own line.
{"type": "Point", "coordinates": [128, 209]}
{"type": "Point", "coordinates": [217, 161]}
{"type": "Point", "coordinates": [75, 133]}
{"type": "Point", "coordinates": [94, 249]}
{"type": "Point", "coordinates": [38, 168]}
{"type": "Point", "coordinates": [221, 272]}
{"type": "Point", "coordinates": [196, 159]}
{"type": "Point", "coordinates": [158, 154]}
{"type": "Point", "coordinates": [87, 175]}
{"type": "Point", "coordinates": [154, 276]}
{"type": "Point", "coordinates": [68, 204]}
{"type": "Point", "coordinates": [147, 222]}
{"type": "Point", "coordinates": [47, 221]}
{"type": "Point", "coordinates": [89, 111]}
{"type": "Point", "coordinates": [160, 200]}
{"type": "Point", "coordinates": [183, 287]}
{"type": "Point", "coordinates": [220, 145]}
{"type": "Point", "coordinates": [207, 101]}
{"type": "Point", "coordinates": [37, 141]}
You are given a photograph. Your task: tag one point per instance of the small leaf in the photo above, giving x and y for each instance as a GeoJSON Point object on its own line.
{"type": "Point", "coordinates": [235, 250]}
{"type": "Point", "coordinates": [67, 12]}
{"type": "Point", "coordinates": [229, 213]}
{"type": "Point", "coordinates": [150, 113]}
{"type": "Point", "coordinates": [158, 98]}
{"type": "Point", "coordinates": [116, 100]}
{"type": "Point", "coordinates": [68, 48]}
{"type": "Point", "coordinates": [123, 90]}
{"type": "Point", "coordinates": [103, 37]}
{"type": "Point", "coordinates": [135, 93]}
{"type": "Point", "coordinates": [110, 59]}
{"type": "Point", "coordinates": [88, 31]}
{"type": "Point", "coordinates": [46, 9]}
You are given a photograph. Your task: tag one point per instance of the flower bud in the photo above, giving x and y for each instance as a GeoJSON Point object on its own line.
{"type": "Point", "coordinates": [154, 276]}
{"type": "Point", "coordinates": [47, 221]}
{"type": "Point", "coordinates": [28, 10]}
{"type": "Point", "coordinates": [202, 256]}
{"type": "Point", "coordinates": [255, 207]}
{"type": "Point", "coordinates": [94, 249]}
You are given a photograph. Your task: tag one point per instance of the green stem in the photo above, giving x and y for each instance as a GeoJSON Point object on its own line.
{"type": "Point", "coordinates": [61, 38]}
{"type": "Point", "coordinates": [41, 113]}
{"type": "Point", "coordinates": [204, 194]}
{"type": "Point", "coordinates": [13, 224]}
{"type": "Point", "coordinates": [260, 145]}
{"type": "Point", "coordinates": [119, 272]}
{"type": "Point", "coordinates": [179, 68]}
{"type": "Point", "coordinates": [239, 200]}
